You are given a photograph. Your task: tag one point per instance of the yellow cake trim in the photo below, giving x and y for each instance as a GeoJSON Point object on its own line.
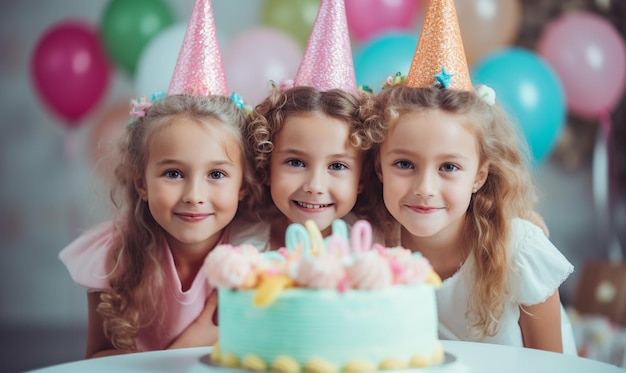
{"type": "Point", "coordinates": [317, 365]}
{"type": "Point", "coordinates": [229, 361]}
{"type": "Point", "coordinates": [285, 364]}
{"type": "Point", "coordinates": [253, 362]}
{"type": "Point", "coordinates": [393, 364]}
{"type": "Point", "coordinates": [438, 354]}
{"type": "Point", "coordinates": [215, 354]}
{"type": "Point", "coordinates": [419, 361]}
{"type": "Point", "coordinates": [358, 366]}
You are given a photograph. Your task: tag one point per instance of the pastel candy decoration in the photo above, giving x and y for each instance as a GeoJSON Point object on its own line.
{"type": "Point", "coordinates": [370, 271]}
{"type": "Point", "coordinates": [317, 241]}
{"type": "Point", "coordinates": [320, 272]}
{"type": "Point", "coordinates": [270, 288]}
{"type": "Point", "coordinates": [416, 269]}
{"type": "Point", "coordinates": [361, 238]}
{"type": "Point", "coordinates": [297, 235]}
{"type": "Point", "coordinates": [340, 228]}
{"type": "Point", "coordinates": [230, 267]}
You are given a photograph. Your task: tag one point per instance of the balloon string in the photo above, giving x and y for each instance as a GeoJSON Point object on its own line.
{"type": "Point", "coordinates": [72, 189]}
{"type": "Point", "coordinates": [604, 184]}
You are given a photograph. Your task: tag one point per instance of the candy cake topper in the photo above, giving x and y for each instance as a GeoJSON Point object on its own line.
{"type": "Point", "coordinates": [327, 61]}
{"type": "Point", "coordinates": [439, 59]}
{"type": "Point", "coordinates": [199, 69]}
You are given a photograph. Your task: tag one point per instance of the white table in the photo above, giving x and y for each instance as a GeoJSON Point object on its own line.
{"type": "Point", "coordinates": [467, 356]}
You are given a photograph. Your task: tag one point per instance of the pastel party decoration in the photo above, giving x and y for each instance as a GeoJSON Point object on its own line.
{"type": "Point", "coordinates": [199, 68]}
{"type": "Point", "coordinates": [488, 25]}
{"type": "Point", "coordinates": [127, 26]}
{"type": "Point", "coordinates": [158, 60]}
{"type": "Point", "coordinates": [327, 61]}
{"type": "Point", "coordinates": [530, 92]}
{"type": "Point", "coordinates": [370, 18]}
{"type": "Point", "coordinates": [276, 56]}
{"type": "Point", "coordinates": [308, 261]}
{"type": "Point", "coordinates": [382, 56]}
{"type": "Point", "coordinates": [439, 59]}
{"type": "Point", "coordinates": [361, 236]}
{"type": "Point", "coordinates": [294, 18]}
{"type": "Point", "coordinates": [297, 235]}
{"type": "Point", "coordinates": [70, 71]}
{"type": "Point", "coordinates": [589, 56]}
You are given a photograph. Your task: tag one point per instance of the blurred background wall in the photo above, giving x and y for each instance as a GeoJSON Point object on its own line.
{"type": "Point", "coordinates": [55, 148]}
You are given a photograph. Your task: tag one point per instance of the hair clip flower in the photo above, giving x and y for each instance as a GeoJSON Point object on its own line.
{"type": "Point", "coordinates": [240, 103]}
{"type": "Point", "coordinates": [286, 84]}
{"type": "Point", "coordinates": [365, 88]}
{"type": "Point", "coordinates": [397, 78]}
{"type": "Point", "coordinates": [139, 107]}
{"type": "Point", "coordinates": [486, 93]}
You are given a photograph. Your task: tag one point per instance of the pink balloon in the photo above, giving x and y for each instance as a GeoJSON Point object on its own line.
{"type": "Point", "coordinates": [369, 18]}
{"type": "Point", "coordinates": [69, 70]}
{"type": "Point", "coordinates": [256, 57]}
{"type": "Point", "coordinates": [589, 57]}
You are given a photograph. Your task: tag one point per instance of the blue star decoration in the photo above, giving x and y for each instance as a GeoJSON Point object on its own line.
{"type": "Point", "coordinates": [443, 78]}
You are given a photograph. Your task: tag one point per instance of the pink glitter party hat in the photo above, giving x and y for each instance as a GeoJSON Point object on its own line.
{"type": "Point", "coordinates": [327, 61]}
{"type": "Point", "coordinates": [440, 58]}
{"type": "Point", "coordinates": [199, 69]}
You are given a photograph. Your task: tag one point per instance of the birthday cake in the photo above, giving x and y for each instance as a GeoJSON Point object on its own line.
{"type": "Point", "coordinates": [341, 304]}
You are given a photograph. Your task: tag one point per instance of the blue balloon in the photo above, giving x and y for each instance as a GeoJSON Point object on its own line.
{"type": "Point", "coordinates": [385, 55]}
{"type": "Point", "coordinates": [530, 92]}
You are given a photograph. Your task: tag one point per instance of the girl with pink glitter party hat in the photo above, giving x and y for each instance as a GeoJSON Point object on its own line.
{"type": "Point", "coordinates": [457, 188]}
{"type": "Point", "coordinates": [184, 171]}
{"type": "Point", "coordinates": [309, 141]}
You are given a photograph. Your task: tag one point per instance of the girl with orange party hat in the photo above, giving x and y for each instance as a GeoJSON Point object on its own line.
{"type": "Point", "coordinates": [456, 186]}
{"type": "Point", "coordinates": [309, 140]}
{"type": "Point", "coordinates": [183, 172]}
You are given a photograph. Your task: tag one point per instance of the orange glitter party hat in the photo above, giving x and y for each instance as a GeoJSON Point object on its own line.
{"type": "Point", "coordinates": [439, 59]}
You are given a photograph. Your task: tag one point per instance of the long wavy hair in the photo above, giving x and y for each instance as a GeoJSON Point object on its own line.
{"type": "Point", "coordinates": [138, 279]}
{"type": "Point", "coordinates": [270, 116]}
{"type": "Point", "coordinates": [507, 193]}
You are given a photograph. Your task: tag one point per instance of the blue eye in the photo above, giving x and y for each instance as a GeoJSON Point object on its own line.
{"type": "Point", "coordinates": [173, 174]}
{"type": "Point", "coordinates": [403, 165]}
{"type": "Point", "coordinates": [448, 167]}
{"type": "Point", "coordinates": [216, 175]}
{"type": "Point", "coordinates": [295, 163]}
{"type": "Point", "coordinates": [337, 166]}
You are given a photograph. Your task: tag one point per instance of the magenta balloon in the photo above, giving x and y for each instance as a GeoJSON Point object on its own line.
{"type": "Point", "coordinates": [589, 57]}
{"type": "Point", "coordinates": [369, 18]}
{"type": "Point", "coordinates": [69, 70]}
{"type": "Point", "coordinates": [257, 56]}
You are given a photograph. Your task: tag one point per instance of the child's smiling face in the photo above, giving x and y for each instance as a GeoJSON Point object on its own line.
{"type": "Point", "coordinates": [430, 166]}
{"type": "Point", "coordinates": [314, 170]}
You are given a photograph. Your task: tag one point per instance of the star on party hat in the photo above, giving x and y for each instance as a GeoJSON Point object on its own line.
{"type": "Point", "coordinates": [199, 69]}
{"type": "Point", "coordinates": [327, 61]}
{"type": "Point", "coordinates": [439, 59]}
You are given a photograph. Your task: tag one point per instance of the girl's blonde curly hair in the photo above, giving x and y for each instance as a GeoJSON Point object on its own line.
{"type": "Point", "coordinates": [507, 193]}
{"type": "Point", "coordinates": [137, 281]}
{"type": "Point", "coordinates": [269, 117]}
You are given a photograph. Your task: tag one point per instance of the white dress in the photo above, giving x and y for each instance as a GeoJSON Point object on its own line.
{"type": "Point", "coordinates": [539, 268]}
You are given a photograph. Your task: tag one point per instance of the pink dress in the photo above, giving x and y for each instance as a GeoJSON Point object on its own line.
{"type": "Point", "coordinates": [88, 261]}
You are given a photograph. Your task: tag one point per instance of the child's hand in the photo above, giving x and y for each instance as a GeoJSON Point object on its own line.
{"type": "Point", "coordinates": [202, 331]}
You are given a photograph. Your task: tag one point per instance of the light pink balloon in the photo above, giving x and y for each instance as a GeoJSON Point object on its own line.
{"type": "Point", "coordinates": [369, 18]}
{"type": "Point", "coordinates": [257, 56]}
{"type": "Point", "coordinates": [589, 56]}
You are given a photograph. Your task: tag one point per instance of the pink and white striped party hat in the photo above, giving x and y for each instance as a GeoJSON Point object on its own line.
{"type": "Point", "coordinates": [199, 69]}
{"type": "Point", "coordinates": [327, 61]}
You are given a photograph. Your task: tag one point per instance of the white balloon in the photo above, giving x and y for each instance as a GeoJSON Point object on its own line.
{"type": "Point", "coordinates": [158, 59]}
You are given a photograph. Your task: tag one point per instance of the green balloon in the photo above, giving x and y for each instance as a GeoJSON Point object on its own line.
{"type": "Point", "coordinates": [128, 25]}
{"type": "Point", "coordinates": [294, 17]}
